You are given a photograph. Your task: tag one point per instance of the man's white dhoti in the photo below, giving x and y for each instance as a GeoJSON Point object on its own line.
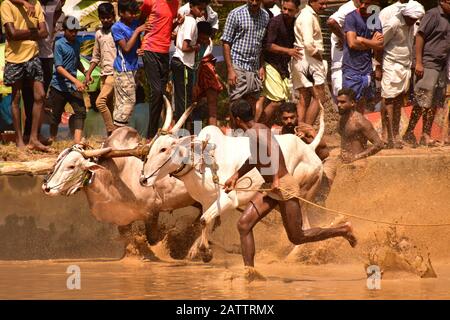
{"type": "Point", "coordinates": [395, 81]}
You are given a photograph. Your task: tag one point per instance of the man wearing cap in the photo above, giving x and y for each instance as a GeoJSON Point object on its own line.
{"type": "Point", "coordinates": [65, 87]}
{"type": "Point", "coordinates": [398, 34]}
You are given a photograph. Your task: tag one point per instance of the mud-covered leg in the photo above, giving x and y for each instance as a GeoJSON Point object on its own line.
{"type": "Point", "coordinates": [151, 229]}
{"type": "Point", "coordinates": [135, 240]}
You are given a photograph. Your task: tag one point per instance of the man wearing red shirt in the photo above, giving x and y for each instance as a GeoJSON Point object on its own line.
{"type": "Point", "coordinates": [156, 43]}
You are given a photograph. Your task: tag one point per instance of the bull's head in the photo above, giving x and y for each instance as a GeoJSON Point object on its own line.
{"type": "Point", "coordinates": [167, 154]}
{"type": "Point", "coordinates": [72, 170]}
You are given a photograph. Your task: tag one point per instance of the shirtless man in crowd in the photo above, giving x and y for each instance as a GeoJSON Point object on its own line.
{"type": "Point", "coordinates": [284, 188]}
{"type": "Point", "coordinates": [355, 130]}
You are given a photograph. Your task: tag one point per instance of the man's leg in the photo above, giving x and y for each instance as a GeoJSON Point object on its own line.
{"type": "Point", "coordinates": [38, 107]}
{"type": "Point", "coordinates": [77, 102]}
{"type": "Point", "coordinates": [259, 108]}
{"type": "Point", "coordinates": [437, 101]}
{"type": "Point", "coordinates": [398, 105]}
{"type": "Point", "coordinates": [16, 116]}
{"type": "Point", "coordinates": [292, 220]}
{"type": "Point", "coordinates": [304, 100]}
{"type": "Point", "coordinates": [269, 112]}
{"type": "Point", "coordinates": [103, 99]}
{"type": "Point", "coordinates": [56, 102]}
{"type": "Point", "coordinates": [179, 86]}
{"type": "Point", "coordinates": [388, 118]}
{"type": "Point", "coordinates": [444, 134]}
{"type": "Point", "coordinates": [428, 118]}
{"type": "Point", "coordinates": [28, 101]}
{"type": "Point", "coordinates": [312, 111]}
{"type": "Point", "coordinates": [157, 74]}
{"type": "Point", "coordinates": [257, 209]}
{"type": "Point", "coordinates": [125, 97]}
{"type": "Point", "coordinates": [211, 98]}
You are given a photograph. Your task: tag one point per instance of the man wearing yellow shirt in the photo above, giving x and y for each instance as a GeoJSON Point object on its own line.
{"type": "Point", "coordinates": [24, 25]}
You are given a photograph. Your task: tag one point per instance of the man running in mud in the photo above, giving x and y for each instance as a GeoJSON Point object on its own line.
{"type": "Point", "coordinates": [270, 163]}
{"type": "Point", "coordinates": [355, 130]}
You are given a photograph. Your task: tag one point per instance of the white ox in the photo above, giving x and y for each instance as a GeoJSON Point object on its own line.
{"type": "Point", "coordinates": [112, 185]}
{"type": "Point", "coordinates": [175, 156]}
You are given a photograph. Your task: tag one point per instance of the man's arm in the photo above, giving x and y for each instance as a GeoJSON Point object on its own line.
{"type": "Point", "coordinates": [420, 43]}
{"type": "Point", "coordinates": [337, 30]}
{"type": "Point", "coordinates": [232, 77]}
{"type": "Point", "coordinates": [81, 67]}
{"type": "Point", "coordinates": [369, 132]}
{"type": "Point", "coordinates": [20, 34]}
{"type": "Point", "coordinates": [362, 44]}
{"type": "Point", "coordinates": [96, 55]}
{"type": "Point", "coordinates": [187, 47]}
{"type": "Point", "coordinates": [58, 13]}
{"type": "Point", "coordinates": [274, 48]}
{"type": "Point", "coordinates": [127, 46]}
{"type": "Point", "coordinates": [66, 74]}
{"type": "Point", "coordinates": [31, 11]}
{"type": "Point", "coordinates": [293, 52]}
{"type": "Point", "coordinates": [227, 40]}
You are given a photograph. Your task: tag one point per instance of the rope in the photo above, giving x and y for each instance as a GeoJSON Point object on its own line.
{"type": "Point", "coordinates": [337, 211]}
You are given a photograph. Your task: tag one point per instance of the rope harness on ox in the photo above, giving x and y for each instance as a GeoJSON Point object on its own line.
{"type": "Point", "coordinates": [84, 178]}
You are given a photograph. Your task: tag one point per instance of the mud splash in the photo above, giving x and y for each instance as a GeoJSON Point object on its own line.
{"type": "Point", "coordinates": [394, 252]}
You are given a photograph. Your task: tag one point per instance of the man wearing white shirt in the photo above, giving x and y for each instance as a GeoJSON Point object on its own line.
{"type": "Point", "coordinates": [336, 23]}
{"type": "Point", "coordinates": [308, 73]}
{"type": "Point", "coordinates": [391, 11]}
{"type": "Point", "coordinates": [209, 16]}
{"type": "Point", "coordinates": [183, 60]}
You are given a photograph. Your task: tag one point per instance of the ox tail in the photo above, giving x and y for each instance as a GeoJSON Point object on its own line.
{"type": "Point", "coordinates": [319, 135]}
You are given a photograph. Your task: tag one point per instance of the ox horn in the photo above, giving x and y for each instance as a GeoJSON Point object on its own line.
{"type": "Point", "coordinates": [95, 152]}
{"type": "Point", "coordinates": [169, 114]}
{"type": "Point", "coordinates": [183, 118]}
{"type": "Point", "coordinates": [138, 152]}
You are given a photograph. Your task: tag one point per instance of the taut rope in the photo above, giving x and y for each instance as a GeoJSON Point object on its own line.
{"type": "Point", "coordinates": [337, 211]}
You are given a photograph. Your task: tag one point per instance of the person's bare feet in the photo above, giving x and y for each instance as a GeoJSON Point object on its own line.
{"type": "Point", "coordinates": [410, 139]}
{"type": "Point", "coordinates": [251, 274]}
{"type": "Point", "coordinates": [20, 145]}
{"type": "Point", "coordinates": [349, 234]}
{"type": "Point", "coordinates": [37, 145]}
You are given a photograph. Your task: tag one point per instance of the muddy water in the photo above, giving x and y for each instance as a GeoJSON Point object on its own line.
{"type": "Point", "coordinates": [182, 280]}
{"type": "Point", "coordinates": [404, 189]}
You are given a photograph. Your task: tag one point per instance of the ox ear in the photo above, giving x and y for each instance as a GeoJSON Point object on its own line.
{"type": "Point", "coordinates": [185, 141]}
{"type": "Point", "coordinates": [91, 166]}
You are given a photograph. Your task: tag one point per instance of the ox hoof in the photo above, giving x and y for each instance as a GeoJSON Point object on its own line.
{"type": "Point", "coordinates": [206, 254]}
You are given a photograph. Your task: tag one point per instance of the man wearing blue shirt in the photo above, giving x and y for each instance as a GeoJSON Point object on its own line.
{"type": "Point", "coordinates": [64, 86]}
{"type": "Point", "coordinates": [359, 47]}
{"type": "Point", "coordinates": [126, 33]}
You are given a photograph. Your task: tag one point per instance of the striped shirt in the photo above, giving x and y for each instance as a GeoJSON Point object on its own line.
{"type": "Point", "coordinates": [245, 32]}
